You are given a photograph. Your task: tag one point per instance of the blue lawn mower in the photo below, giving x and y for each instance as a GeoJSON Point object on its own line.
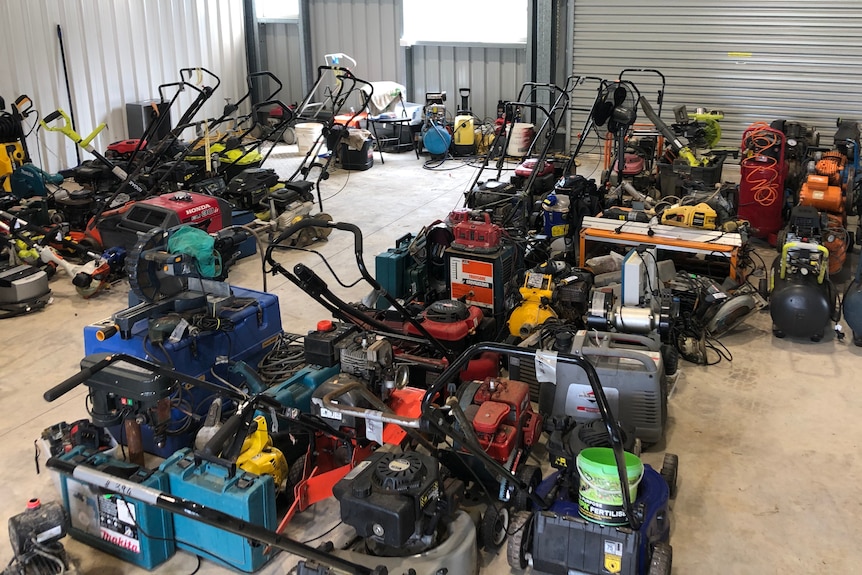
{"type": "Point", "coordinates": [559, 539]}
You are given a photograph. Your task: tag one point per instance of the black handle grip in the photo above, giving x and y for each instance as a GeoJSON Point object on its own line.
{"type": "Point", "coordinates": [71, 383]}
{"type": "Point", "coordinates": [52, 116]}
{"type": "Point", "coordinates": [57, 464]}
{"type": "Point", "coordinates": [217, 442]}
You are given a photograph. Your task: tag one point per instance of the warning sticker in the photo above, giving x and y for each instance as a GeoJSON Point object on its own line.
{"type": "Point", "coordinates": [473, 281]}
{"type": "Point", "coordinates": [613, 556]}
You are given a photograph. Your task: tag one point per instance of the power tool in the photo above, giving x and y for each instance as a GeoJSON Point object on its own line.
{"type": "Point", "coordinates": [698, 216]}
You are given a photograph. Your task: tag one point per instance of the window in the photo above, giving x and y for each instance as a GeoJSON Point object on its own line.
{"type": "Point", "coordinates": [465, 22]}
{"type": "Point", "coordinates": [277, 9]}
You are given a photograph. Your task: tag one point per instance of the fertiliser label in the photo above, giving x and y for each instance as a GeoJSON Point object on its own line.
{"type": "Point", "coordinates": [472, 280]}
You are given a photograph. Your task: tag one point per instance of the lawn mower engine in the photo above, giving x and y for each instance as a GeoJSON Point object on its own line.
{"type": "Point", "coordinates": [502, 417]}
{"type": "Point", "coordinates": [398, 502]}
{"type": "Point", "coordinates": [407, 517]}
{"type": "Point", "coordinates": [455, 324]}
{"type": "Point", "coordinates": [802, 298]}
{"type": "Point", "coordinates": [501, 200]}
{"type": "Point", "coordinates": [544, 180]}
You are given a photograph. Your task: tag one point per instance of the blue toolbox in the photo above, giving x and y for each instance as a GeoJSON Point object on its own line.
{"type": "Point", "coordinates": [244, 495]}
{"type": "Point", "coordinates": [390, 269]}
{"type": "Point", "coordinates": [297, 390]}
{"type": "Point", "coordinates": [251, 324]}
{"type": "Point", "coordinates": [124, 527]}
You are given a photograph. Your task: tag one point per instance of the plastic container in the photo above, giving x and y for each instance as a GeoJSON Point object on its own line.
{"type": "Point", "coordinates": [671, 176]}
{"type": "Point", "coordinates": [306, 135]}
{"type": "Point", "coordinates": [600, 498]}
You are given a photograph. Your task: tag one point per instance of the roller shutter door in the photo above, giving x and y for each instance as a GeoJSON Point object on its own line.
{"type": "Point", "coordinates": [759, 60]}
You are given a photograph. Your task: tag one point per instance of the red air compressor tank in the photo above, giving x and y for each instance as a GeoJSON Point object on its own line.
{"type": "Point", "coordinates": [761, 186]}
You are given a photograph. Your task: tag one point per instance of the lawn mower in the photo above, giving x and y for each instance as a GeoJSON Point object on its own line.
{"type": "Point", "coordinates": [631, 537]}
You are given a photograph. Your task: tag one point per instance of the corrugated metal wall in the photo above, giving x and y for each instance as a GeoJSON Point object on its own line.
{"type": "Point", "coordinates": [491, 74]}
{"type": "Point", "coordinates": [755, 61]}
{"type": "Point", "coordinates": [281, 41]}
{"type": "Point", "coordinates": [369, 32]}
{"type": "Point", "coordinates": [117, 51]}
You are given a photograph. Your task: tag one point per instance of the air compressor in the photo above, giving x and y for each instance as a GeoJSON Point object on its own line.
{"type": "Point", "coordinates": [435, 137]}
{"type": "Point", "coordinates": [802, 298]}
{"type": "Point", "coordinates": [852, 306]}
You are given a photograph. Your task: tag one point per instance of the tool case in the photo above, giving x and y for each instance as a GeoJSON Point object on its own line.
{"type": "Point", "coordinates": [124, 527]}
{"type": "Point", "coordinates": [244, 495]}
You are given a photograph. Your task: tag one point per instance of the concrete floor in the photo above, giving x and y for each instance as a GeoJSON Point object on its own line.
{"type": "Point", "coordinates": [767, 443]}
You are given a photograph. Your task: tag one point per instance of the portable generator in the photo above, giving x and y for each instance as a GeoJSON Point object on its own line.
{"type": "Point", "coordinates": [802, 297]}
{"type": "Point", "coordinates": [120, 227]}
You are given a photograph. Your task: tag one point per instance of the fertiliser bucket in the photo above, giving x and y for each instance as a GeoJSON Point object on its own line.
{"type": "Point", "coordinates": [600, 499]}
{"type": "Point", "coordinates": [306, 135]}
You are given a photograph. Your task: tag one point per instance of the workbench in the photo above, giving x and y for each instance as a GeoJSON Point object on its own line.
{"type": "Point", "coordinates": [672, 238]}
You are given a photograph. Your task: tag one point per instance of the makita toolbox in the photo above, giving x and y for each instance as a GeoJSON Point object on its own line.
{"type": "Point", "coordinates": [243, 495]}
{"type": "Point", "coordinates": [119, 525]}
{"type": "Point", "coordinates": [390, 269]}
{"type": "Point", "coordinates": [630, 368]}
{"type": "Point", "coordinates": [255, 324]}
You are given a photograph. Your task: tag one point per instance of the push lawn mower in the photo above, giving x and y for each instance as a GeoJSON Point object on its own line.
{"type": "Point", "coordinates": [628, 538]}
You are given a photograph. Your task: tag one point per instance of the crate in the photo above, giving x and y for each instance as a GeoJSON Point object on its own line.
{"type": "Point", "coordinates": [672, 176]}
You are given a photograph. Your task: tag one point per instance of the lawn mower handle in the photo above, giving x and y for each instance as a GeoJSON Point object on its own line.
{"type": "Point", "coordinates": [203, 514]}
{"type": "Point", "coordinates": [361, 412]}
{"type": "Point", "coordinates": [363, 270]}
{"type": "Point", "coordinates": [70, 383]}
{"type": "Point", "coordinates": [199, 69]}
{"type": "Point", "coordinates": [66, 128]}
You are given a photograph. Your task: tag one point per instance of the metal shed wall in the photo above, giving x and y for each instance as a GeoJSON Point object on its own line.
{"type": "Point", "coordinates": [283, 57]}
{"type": "Point", "coordinates": [369, 32]}
{"type": "Point", "coordinates": [117, 51]}
{"type": "Point", "coordinates": [491, 74]}
{"type": "Point", "coordinates": [755, 61]}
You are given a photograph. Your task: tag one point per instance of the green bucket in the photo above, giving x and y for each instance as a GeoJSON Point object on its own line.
{"type": "Point", "coordinates": [600, 498]}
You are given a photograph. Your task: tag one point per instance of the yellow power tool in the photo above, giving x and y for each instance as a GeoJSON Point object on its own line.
{"type": "Point", "coordinates": [699, 216]}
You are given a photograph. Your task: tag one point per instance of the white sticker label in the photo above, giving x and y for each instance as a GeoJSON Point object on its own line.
{"type": "Point", "coordinates": [374, 430]}
{"type": "Point", "coordinates": [49, 534]}
{"type": "Point", "coordinates": [546, 366]}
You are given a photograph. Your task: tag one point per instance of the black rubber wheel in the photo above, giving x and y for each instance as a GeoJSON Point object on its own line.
{"type": "Point", "coordinates": [521, 540]}
{"type": "Point", "coordinates": [532, 476]}
{"type": "Point", "coordinates": [295, 474]}
{"type": "Point", "coordinates": [670, 358]}
{"type": "Point", "coordinates": [494, 526]}
{"type": "Point", "coordinates": [662, 559]}
{"type": "Point", "coordinates": [778, 333]}
{"type": "Point", "coordinates": [669, 472]}
{"type": "Point", "coordinates": [857, 339]}
{"type": "Point", "coordinates": [816, 337]}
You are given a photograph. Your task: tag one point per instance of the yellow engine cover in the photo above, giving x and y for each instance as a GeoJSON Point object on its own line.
{"type": "Point", "coordinates": [258, 455]}
{"type": "Point", "coordinates": [11, 156]}
{"type": "Point", "coordinates": [534, 309]}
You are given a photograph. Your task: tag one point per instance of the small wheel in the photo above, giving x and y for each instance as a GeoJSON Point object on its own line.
{"type": "Point", "coordinates": [816, 337]}
{"type": "Point", "coordinates": [669, 471]}
{"type": "Point", "coordinates": [857, 339]}
{"type": "Point", "coordinates": [495, 525]}
{"type": "Point", "coordinates": [295, 474]}
{"type": "Point", "coordinates": [670, 358]}
{"type": "Point", "coordinates": [662, 559]}
{"type": "Point", "coordinates": [778, 333]}
{"type": "Point", "coordinates": [521, 540]}
{"type": "Point", "coordinates": [532, 476]}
